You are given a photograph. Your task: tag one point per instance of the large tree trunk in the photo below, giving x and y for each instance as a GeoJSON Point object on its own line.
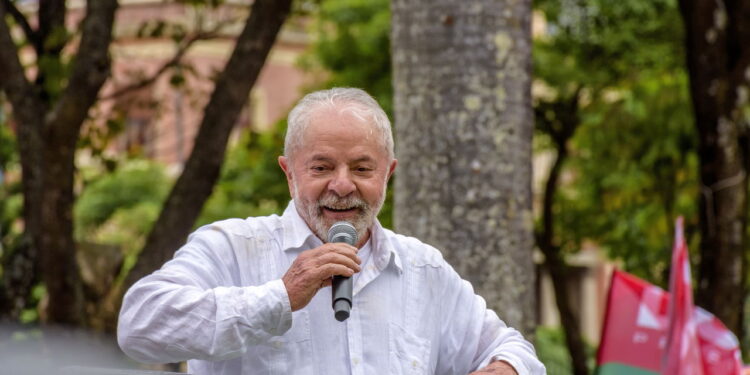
{"type": "Point", "coordinates": [201, 172]}
{"type": "Point", "coordinates": [463, 129]}
{"type": "Point", "coordinates": [718, 59]}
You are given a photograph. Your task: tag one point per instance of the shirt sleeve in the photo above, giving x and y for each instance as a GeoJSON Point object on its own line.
{"type": "Point", "coordinates": [473, 336]}
{"type": "Point", "coordinates": [189, 309]}
{"type": "Point", "coordinates": [507, 344]}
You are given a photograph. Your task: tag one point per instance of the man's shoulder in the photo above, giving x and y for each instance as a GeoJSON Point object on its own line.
{"type": "Point", "coordinates": [414, 251]}
{"type": "Point", "coordinates": [249, 227]}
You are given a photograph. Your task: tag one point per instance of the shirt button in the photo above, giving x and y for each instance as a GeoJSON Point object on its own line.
{"type": "Point", "coordinates": [355, 361]}
{"type": "Point", "coordinates": [414, 364]}
{"type": "Point", "coordinates": [278, 344]}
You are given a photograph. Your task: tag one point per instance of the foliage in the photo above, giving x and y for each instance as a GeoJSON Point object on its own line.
{"type": "Point", "coordinates": [120, 207]}
{"type": "Point", "coordinates": [251, 183]}
{"type": "Point", "coordinates": [354, 46]}
{"type": "Point", "coordinates": [550, 347]}
{"type": "Point", "coordinates": [636, 177]}
{"type": "Point", "coordinates": [632, 167]}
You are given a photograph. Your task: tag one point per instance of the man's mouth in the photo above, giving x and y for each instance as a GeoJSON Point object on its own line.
{"type": "Point", "coordinates": [336, 209]}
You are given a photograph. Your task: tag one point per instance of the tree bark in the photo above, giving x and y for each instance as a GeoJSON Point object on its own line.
{"type": "Point", "coordinates": [718, 60]}
{"type": "Point", "coordinates": [48, 131]}
{"type": "Point", "coordinates": [21, 267]}
{"type": "Point", "coordinates": [201, 171]}
{"type": "Point", "coordinates": [62, 128]}
{"type": "Point", "coordinates": [463, 129]}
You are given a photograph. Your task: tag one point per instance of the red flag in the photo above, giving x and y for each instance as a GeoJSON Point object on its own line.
{"type": "Point", "coordinates": [682, 354]}
{"type": "Point", "coordinates": [637, 324]}
{"type": "Point", "coordinates": [634, 326]}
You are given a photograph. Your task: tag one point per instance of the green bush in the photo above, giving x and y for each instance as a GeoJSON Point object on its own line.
{"type": "Point", "coordinates": [126, 200]}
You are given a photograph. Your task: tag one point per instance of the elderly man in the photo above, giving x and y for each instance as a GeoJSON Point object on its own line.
{"type": "Point", "coordinates": [252, 296]}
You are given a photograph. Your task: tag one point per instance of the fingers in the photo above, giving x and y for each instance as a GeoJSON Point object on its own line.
{"type": "Point", "coordinates": [331, 249]}
{"type": "Point", "coordinates": [314, 268]}
{"type": "Point", "coordinates": [337, 259]}
{"type": "Point", "coordinates": [330, 270]}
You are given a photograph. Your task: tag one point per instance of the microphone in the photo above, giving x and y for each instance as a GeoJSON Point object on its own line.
{"type": "Point", "coordinates": [342, 231]}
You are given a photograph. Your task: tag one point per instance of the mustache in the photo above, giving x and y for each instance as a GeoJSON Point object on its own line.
{"type": "Point", "coordinates": [342, 203]}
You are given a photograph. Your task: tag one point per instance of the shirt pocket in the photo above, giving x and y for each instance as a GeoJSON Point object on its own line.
{"type": "Point", "coordinates": [287, 354]}
{"type": "Point", "coordinates": [408, 353]}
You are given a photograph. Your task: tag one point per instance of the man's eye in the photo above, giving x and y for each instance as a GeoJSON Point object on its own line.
{"type": "Point", "coordinates": [364, 169]}
{"type": "Point", "coordinates": [318, 168]}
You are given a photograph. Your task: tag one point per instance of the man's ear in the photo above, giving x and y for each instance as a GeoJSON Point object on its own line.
{"type": "Point", "coordinates": [287, 168]}
{"type": "Point", "coordinates": [284, 164]}
{"type": "Point", "coordinates": [392, 168]}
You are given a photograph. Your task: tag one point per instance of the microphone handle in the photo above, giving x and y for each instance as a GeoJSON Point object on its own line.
{"type": "Point", "coordinates": [342, 297]}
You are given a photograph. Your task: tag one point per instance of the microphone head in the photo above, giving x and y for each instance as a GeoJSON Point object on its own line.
{"type": "Point", "coordinates": [343, 231]}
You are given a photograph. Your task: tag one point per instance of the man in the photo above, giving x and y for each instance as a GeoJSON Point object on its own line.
{"type": "Point", "coordinates": [252, 296]}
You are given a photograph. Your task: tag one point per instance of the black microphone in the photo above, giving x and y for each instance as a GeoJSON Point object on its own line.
{"type": "Point", "coordinates": [342, 231]}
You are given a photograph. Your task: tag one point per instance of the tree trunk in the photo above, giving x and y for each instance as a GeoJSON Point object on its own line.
{"type": "Point", "coordinates": [21, 267]}
{"type": "Point", "coordinates": [463, 129]}
{"type": "Point", "coordinates": [560, 130]}
{"type": "Point", "coordinates": [49, 126]}
{"type": "Point", "coordinates": [718, 60]}
{"type": "Point", "coordinates": [201, 172]}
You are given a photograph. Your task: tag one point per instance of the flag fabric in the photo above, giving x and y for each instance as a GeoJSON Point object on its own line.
{"type": "Point", "coordinates": [634, 327]}
{"type": "Point", "coordinates": [640, 328]}
{"type": "Point", "coordinates": [682, 353]}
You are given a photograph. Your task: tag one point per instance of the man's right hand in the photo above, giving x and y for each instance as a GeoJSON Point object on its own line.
{"type": "Point", "coordinates": [313, 269]}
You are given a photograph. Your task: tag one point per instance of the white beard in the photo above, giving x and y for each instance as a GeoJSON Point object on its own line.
{"type": "Point", "coordinates": [312, 212]}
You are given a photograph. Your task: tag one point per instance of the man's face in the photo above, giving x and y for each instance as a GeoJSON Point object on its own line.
{"type": "Point", "coordinates": [339, 172]}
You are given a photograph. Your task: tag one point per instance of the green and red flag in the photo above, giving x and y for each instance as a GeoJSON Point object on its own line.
{"type": "Point", "coordinates": [644, 335]}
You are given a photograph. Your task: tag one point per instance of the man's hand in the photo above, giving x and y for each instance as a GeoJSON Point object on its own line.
{"type": "Point", "coordinates": [314, 268]}
{"type": "Point", "coordinates": [496, 368]}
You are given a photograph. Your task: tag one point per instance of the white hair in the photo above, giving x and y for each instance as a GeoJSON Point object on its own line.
{"type": "Point", "coordinates": [345, 99]}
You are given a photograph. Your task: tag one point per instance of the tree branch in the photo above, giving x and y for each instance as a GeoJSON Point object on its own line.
{"type": "Point", "coordinates": [197, 180]}
{"type": "Point", "coordinates": [51, 19]}
{"type": "Point", "coordinates": [21, 20]}
{"type": "Point", "coordinates": [90, 69]}
{"type": "Point", "coordinates": [20, 91]}
{"type": "Point", "coordinates": [182, 49]}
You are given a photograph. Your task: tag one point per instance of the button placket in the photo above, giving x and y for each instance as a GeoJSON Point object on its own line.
{"type": "Point", "coordinates": [354, 333]}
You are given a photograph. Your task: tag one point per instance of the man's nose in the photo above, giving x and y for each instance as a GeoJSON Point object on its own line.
{"type": "Point", "coordinates": [342, 183]}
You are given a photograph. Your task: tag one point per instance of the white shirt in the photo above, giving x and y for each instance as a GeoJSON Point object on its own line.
{"type": "Point", "coordinates": [221, 304]}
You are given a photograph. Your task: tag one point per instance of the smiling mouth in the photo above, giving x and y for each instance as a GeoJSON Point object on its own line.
{"type": "Point", "coordinates": [339, 209]}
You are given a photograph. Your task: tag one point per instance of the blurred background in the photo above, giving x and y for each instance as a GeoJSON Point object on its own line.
{"type": "Point", "coordinates": [123, 128]}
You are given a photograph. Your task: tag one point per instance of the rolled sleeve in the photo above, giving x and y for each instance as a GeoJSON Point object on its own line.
{"type": "Point", "coordinates": [507, 344]}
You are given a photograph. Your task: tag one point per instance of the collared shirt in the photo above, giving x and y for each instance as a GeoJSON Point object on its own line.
{"type": "Point", "coordinates": [221, 305]}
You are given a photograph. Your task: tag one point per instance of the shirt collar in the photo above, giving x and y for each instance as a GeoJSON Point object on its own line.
{"type": "Point", "coordinates": [383, 251]}
{"type": "Point", "coordinates": [297, 233]}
